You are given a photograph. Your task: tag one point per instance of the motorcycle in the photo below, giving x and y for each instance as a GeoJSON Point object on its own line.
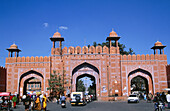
{"type": "Point", "coordinates": [63, 104]}
{"type": "Point", "coordinates": [159, 106]}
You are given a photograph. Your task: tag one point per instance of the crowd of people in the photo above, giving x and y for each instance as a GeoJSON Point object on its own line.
{"type": "Point", "coordinates": [35, 102]}
{"type": "Point", "coordinates": [162, 97]}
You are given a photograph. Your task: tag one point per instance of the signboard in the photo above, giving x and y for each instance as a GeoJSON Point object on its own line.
{"type": "Point", "coordinates": [116, 91]}
{"type": "Point", "coordinates": [104, 89]}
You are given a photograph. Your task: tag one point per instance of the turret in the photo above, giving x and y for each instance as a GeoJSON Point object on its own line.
{"type": "Point", "coordinates": [57, 37]}
{"type": "Point", "coordinates": [113, 36]}
{"type": "Point", "coordinates": [158, 45]}
{"type": "Point", "coordinates": [13, 48]}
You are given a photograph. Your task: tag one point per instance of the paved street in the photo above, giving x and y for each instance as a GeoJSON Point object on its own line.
{"type": "Point", "coordinates": [101, 106]}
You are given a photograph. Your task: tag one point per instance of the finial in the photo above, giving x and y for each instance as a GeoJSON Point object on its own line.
{"type": "Point", "coordinates": [112, 29]}
{"type": "Point", "coordinates": [57, 30]}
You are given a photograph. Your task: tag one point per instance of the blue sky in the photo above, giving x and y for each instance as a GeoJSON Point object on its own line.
{"type": "Point", "coordinates": [30, 24]}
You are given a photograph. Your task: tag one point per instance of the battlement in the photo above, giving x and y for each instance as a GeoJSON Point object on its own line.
{"type": "Point", "coordinates": [1, 67]}
{"type": "Point", "coordinates": [85, 50]}
{"type": "Point", "coordinates": [143, 57]}
{"type": "Point", "coordinates": [28, 59]}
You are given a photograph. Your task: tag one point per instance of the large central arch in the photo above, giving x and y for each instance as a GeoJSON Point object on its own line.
{"type": "Point", "coordinates": [85, 69]}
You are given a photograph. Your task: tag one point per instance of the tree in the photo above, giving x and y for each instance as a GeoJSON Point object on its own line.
{"type": "Point", "coordinates": [94, 44]}
{"type": "Point", "coordinates": [121, 47]}
{"type": "Point", "coordinates": [56, 84]}
{"type": "Point", "coordinates": [92, 88]}
{"type": "Point", "coordinates": [80, 86]}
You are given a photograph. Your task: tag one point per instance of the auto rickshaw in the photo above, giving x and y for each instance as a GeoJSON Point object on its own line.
{"type": "Point", "coordinates": [5, 103]}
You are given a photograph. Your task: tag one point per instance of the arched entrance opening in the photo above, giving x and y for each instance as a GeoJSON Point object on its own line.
{"type": "Point", "coordinates": [32, 85]}
{"type": "Point", "coordinates": [140, 80]}
{"type": "Point", "coordinates": [86, 71]}
{"type": "Point", "coordinates": [139, 84]}
{"type": "Point", "coordinates": [31, 78]}
{"type": "Point", "coordinates": [86, 83]}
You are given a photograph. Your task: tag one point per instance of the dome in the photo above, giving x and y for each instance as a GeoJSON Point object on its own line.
{"type": "Point", "coordinates": [13, 46]}
{"type": "Point", "coordinates": [113, 34]}
{"type": "Point", "coordinates": [57, 34]}
{"type": "Point", "coordinates": [158, 43]}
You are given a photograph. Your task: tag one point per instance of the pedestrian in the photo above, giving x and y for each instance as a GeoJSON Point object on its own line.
{"type": "Point", "coordinates": [63, 98]}
{"type": "Point", "coordinates": [44, 100]}
{"type": "Point", "coordinates": [38, 103]}
{"type": "Point", "coordinates": [145, 97]}
{"type": "Point", "coordinates": [168, 99]}
{"type": "Point", "coordinates": [163, 98]}
{"type": "Point", "coordinates": [149, 98]}
{"type": "Point", "coordinates": [41, 97]}
{"type": "Point", "coordinates": [10, 98]}
{"type": "Point", "coordinates": [27, 102]}
{"type": "Point", "coordinates": [14, 99]}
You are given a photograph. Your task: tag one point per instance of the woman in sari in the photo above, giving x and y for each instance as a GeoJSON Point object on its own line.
{"type": "Point", "coordinates": [38, 103]}
{"type": "Point", "coordinates": [44, 102]}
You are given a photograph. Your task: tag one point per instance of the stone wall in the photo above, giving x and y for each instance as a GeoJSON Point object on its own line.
{"type": "Point", "coordinates": [3, 79]}
{"type": "Point", "coordinates": [114, 69]}
{"type": "Point", "coordinates": [20, 69]}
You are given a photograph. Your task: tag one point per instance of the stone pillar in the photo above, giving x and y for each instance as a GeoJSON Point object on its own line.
{"type": "Point", "coordinates": [156, 51]}
{"type": "Point", "coordinates": [8, 54]}
{"type": "Point", "coordinates": [15, 54]}
{"type": "Point", "coordinates": [53, 44]}
{"type": "Point", "coordinates": [162, 51]}
{"type": "Point", "coordinates": [110, 43]}
{"type": "Point", "coordinates": [116, 43]}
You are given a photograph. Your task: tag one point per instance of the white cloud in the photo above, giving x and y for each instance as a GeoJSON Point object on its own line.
{"type": "Point", "coordinates": [45, 25]}
{"type": "Point", "coordinates": [63, 28]}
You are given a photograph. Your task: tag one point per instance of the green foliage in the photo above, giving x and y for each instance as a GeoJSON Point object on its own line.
{"type": "Point", "coordinates": [92, 89]}
{"type": "Point", "coordinates": [138, 84]}
{"type": "Point", "coordinates": [121, 47]}
{"type": "Point", "coordinates": [56, 83]}
{"type": "Point", "coordinates": [80, 86]}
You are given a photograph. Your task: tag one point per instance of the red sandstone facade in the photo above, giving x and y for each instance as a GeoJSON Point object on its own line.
{"type": "Point", "coordinates": [113, 72]}
{"type": "Point", "coordinates": [2, 79]}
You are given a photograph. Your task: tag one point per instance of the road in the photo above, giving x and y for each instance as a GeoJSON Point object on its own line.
{"type": "Point", "coordinates": [100, 106]}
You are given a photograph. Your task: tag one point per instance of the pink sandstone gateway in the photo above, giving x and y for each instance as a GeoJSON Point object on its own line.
{"type": "Point", "coordinates": [112, 72]}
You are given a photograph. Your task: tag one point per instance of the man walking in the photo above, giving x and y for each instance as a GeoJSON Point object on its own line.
{"type": "Point", "coordinates": [27, 102]}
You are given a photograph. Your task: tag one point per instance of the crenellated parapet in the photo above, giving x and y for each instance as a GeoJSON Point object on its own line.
{"type": "Point", "coordinates": [85, 50]}
{"type": "Point", "coordinates": [36, 61]}
{"type": "Point", "coordinates": [143, 57]}
{"type": "Point", "coordinates": [2, 68]}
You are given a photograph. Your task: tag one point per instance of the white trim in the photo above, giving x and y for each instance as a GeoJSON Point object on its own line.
{"type": "Point", "coordinates": [25, 63]}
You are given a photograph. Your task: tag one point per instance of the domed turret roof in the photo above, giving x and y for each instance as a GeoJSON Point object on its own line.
{"type": "Point", "coordinates": [57, 34]}
{"type": "Point", "coordinates": [113, 34]}
{"type": "Point", "coordinates": [13, 46]}
{"type": "Point", "coordinates": [158, 43]}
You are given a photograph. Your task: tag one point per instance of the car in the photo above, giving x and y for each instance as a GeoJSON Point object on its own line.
{"type": "Point", "coordinates": [78, 98]}
{"type": "Point", "coordinates": [133, 98]}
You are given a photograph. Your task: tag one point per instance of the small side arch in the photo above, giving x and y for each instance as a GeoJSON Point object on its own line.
{"type": "Point", "coordinates": [28, 74]}
{"type": "Point", "coordinates": [144, 74]}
